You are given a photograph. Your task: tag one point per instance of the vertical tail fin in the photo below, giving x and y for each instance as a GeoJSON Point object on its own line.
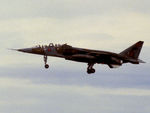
{"type": "Point", "coordinates": [133, 51]}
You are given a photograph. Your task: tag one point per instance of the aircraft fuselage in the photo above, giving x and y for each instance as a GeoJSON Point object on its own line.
{"type": "Point", "coordinates": [89, 56]}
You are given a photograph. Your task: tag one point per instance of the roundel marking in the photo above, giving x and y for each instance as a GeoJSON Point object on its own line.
{"type": "Point", "coordinates": [49, 50]}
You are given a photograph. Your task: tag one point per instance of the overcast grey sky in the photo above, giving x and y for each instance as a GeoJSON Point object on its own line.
{"type": "Point", "coordinates": [113, 25]}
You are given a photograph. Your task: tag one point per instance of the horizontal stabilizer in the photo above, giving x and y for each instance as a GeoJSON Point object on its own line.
{"type": "Point", "coordinates": [141, 61]}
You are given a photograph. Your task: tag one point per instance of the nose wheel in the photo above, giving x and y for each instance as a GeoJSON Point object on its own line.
{"type": "Point", "coordinates": [46, 66]}
{"type": "Point", "coordinates": [90, 68]}
{"type": "Point", "coordinates": [45, 61]}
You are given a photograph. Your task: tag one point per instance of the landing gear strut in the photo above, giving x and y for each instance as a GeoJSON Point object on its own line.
{"type": "Point", "coordinates": [90, 68]}
{"type": "Point", "coordinates": [45, 61]}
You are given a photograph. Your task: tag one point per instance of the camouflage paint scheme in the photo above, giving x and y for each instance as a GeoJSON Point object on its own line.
{"type": "Point", "coordinates": [91, 57]}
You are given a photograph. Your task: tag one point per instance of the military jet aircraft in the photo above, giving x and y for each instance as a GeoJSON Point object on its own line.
{"type": "Point", "coordinates": [91, 57]}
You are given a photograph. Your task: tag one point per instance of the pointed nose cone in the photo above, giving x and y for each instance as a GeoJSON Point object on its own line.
{"type": "Point", "coordinates": [26, 50]}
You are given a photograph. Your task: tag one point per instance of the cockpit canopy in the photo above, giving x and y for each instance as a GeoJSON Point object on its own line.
{"type": "Point", "coordinates": [56, 46]}
{"type": "Point", "coordinates": [62, 49]}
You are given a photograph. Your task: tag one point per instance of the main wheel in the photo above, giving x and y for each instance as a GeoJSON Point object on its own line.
{"type": "Point", "coordinates": [90, 71]}
{"type": "Point", "coordinates": [93, 70]}
{"type": "Point", "coordinates": [46, 66]}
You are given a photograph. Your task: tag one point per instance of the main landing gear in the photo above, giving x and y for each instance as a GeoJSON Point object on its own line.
{"type": "Point", "coordinates": [45, 61]}
{"type": "Point", "coordinates": [90, 68]}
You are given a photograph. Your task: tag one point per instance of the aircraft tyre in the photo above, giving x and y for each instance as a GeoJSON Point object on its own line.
{"type": "Point", "coordinates": [90, 71]}
{"type": "Point", "coordinates": [46, 66]}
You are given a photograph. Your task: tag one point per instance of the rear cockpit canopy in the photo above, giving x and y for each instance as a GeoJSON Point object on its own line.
{"type": "Point", "coordinates": [58, 45]}
{"type": "Point", "coordinates": [51, 45]}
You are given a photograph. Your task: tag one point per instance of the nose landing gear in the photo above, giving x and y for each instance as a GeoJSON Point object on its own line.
{"type": "Point", "coordinates": [45, 61]}
{"type": "Point", "coordinates": [90, 68]}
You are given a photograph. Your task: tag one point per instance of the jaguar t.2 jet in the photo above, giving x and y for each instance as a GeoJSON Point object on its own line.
{"type": "Point", "coordinates": [91, 57]}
